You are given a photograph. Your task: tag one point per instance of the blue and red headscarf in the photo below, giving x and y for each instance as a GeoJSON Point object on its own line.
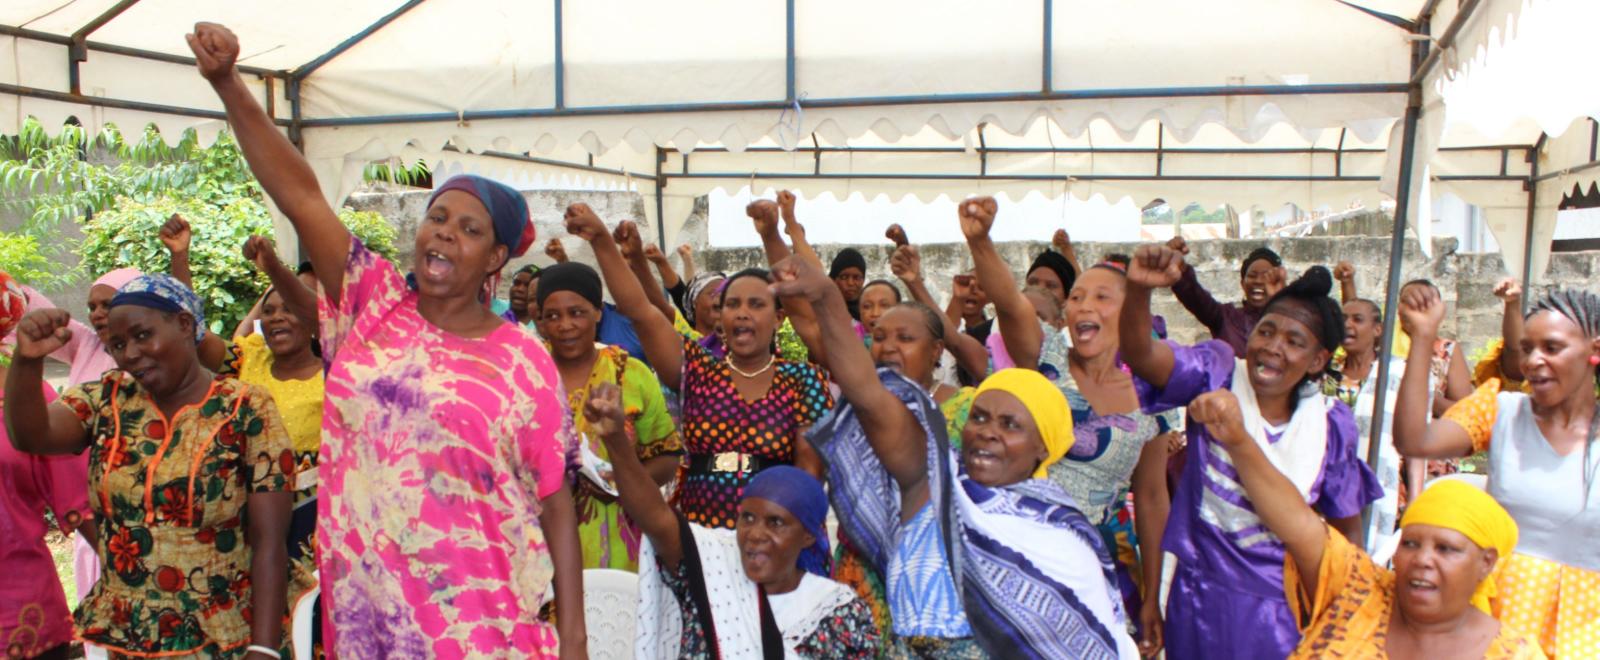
{"type": "Point", "coordinates": [513, 227]}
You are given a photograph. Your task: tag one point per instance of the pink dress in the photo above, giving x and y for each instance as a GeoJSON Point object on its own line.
{"type": "Point", "coordinates": [33, 610]}
{"type": "Point", "coordinates": [436, 454]}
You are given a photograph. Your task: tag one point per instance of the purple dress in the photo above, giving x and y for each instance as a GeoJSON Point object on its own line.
{"type": "Point", "coordinates": [1227, 598]}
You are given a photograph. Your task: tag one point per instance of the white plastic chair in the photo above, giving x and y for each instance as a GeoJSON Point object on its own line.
{"type": "Point", "coordinates": [92, 652]}
{"type": "Point", "coordinates": [1383, 555]}
{"type": "Point", "coordinates": [305, 614]}
{"type": "Point", "coordinates": [610, 612]}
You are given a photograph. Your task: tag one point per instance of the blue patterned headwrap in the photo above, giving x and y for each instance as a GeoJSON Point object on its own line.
{"type": "Point", "coordinates": [163, 293]}
{"type": "Point", "coordinates": [508, 210]}
{"type": "Point", "coordinates": [796, 490]}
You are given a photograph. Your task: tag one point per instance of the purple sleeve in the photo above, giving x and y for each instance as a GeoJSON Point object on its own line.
{"type": "Point", "coordinates": [1196, 369]}
{"type": "Point", "coordinates": [1348, 484]}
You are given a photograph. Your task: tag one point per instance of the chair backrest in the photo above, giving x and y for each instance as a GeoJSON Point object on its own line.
{"type": "Point", "coordinates": [610, 606]}
{"type": "Point", "coordinates": [300, 621]}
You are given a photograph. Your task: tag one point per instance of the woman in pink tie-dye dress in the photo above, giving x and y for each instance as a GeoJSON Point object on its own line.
{"type": "Point", "coordinates": [443, 512]}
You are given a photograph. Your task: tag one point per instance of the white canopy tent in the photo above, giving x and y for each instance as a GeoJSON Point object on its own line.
{"type": "Point", "coordinates": [1248, 102]}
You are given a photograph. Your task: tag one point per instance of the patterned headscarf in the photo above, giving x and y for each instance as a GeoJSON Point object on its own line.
{"type": "Point", "coordinates": [13, 303]}
{"type": "Point", "coordinates": [1044, 402]}
{"type": "Point", "coordinates": [697, 285]}
{"type": "Point", "coordinates": [163, 293]}
{"type": "Point", "coordinates": [508, 210]}
{"type": "Point", "coordinates": [796, 490]}
{"type": "Point", "coordinates": [1467, 509]}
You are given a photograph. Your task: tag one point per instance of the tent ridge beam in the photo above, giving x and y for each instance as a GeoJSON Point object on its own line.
{"type": "Point", "coordinates": [525, 158]}
{"type": "Point", "coordinates": [99, 21]}
{"type": "Point", "coordinates": [307, 68]}
{"type": "Point", "coordinates": [77, 53]}
{"type": "Point", "coordinates": [869, 101]}
{"type": "Point", "coordinates": [1098, 150]}
{"type": "Point", "coordinates": [1446, 41]}
{"type": "Point", "coordinates": [125, 51]}
{"type": "Point", "coordinates": [1541, 178]}
{"type": "Point", "coordinates": [1040, 177]}
{"type": "Point", "coordinates": [121, 104]}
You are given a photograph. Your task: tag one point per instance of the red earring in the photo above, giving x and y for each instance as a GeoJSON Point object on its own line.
{"type": "Point", "coordinates": [1594, 360]}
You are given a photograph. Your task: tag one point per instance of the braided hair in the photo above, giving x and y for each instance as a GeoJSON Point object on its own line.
{"type": "Point", "coordinates": [931, 318]}
{"type": "Point", "coordinates": [1308, 294]}
{"type": "Point", "coordinates": [1582, 308]}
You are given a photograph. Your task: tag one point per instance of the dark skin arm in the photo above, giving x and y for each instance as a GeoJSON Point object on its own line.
{"type": "Point", "coordinates": [1152, 266]}
{"type": "Point", "coordinates": [1274, 497]}
{"type": "Point", "coordinates": [661, 342]}
{"type": "Point", "coordinates": [1019, 325]}
{"type": "Point", "coordinates": [559, 520]}
{"type": "Point", "coordinates": [642, 502]}
{"type": "Point", "coordinates": [300, 300]}
{"type": "Point", "coordinates": [269, 565]}
{"type": "Point", "coordinates": [669, 277]}
{"type": "Point", "coordinates": [1155, 505]}
{"type": "Point", "coordinates": [34, 426]}
{"type": "Point", "coordinates": [1510, 293]}
{"type": "Point", "coordinates": [1421, 311]}
{"type": "Point", "coordinates": [627, 238]}
{"type": "Point", "coordinates": [280, 168]}
{"type": "Point", "coordinates": [177, 237]}
{"type": "Point", "coordinates": [969, 353]}
{"type": "Point", "coordinates": [1345, 274]}
{"type": "Point", "coordinates": [1457, 382]}
{"type": "Point", "coordinates": [892, 430]}
{"type": "Point", "coordinates": [765, 214]}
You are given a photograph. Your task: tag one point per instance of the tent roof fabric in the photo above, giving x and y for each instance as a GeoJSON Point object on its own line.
{"type": "Point", "coordinates": [1250, 102]}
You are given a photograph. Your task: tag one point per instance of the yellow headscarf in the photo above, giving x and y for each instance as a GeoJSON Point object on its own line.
{"type": "Point", "coordinates": [1044, 401]}
{"type": "Point", "coordinates": [1464, 508]}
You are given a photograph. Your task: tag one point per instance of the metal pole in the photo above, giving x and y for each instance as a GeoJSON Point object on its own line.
{"type": "Point", "coordinates": [1049, 64]}
{"type": "Point", "coordinates": [789, 82]}
{"type": "Point", "coordinates": [1397, 246]}
{"type": "Point", "coordinates": [560, 64]}
{"type": "Point", "coordinates": [1527, 230]}
{"type": "Point", "coordinates": [661, 220]}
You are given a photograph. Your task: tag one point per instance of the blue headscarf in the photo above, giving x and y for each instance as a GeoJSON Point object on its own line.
{"type": "Point", "coordinates": [508, 210]}
{"type": "Point", "coordinates": [796, 490]}
{"type": "Point", "coordinates": [163, 293]}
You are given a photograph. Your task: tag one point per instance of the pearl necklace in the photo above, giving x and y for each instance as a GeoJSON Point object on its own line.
{"type": "Point", "coordinates": [750, 374]}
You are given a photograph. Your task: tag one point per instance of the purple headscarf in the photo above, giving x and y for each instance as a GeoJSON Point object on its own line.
{"type": "Point", "coordinates": [796, 490]}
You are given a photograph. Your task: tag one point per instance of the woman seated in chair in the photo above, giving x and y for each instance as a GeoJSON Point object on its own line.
{"type": "Point", "coordinates": [1434, 604]}
{"type": "Point", "coordinates": [778, 547]}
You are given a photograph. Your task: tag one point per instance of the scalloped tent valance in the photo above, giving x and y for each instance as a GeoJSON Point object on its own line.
{"type": "Point", "coordinates": [1250, 102]}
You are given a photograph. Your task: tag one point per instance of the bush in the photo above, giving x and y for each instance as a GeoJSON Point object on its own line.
{"type": "Point", "coordinates": [21, 258]}
{"type": "Point", "coordinates": [126, 236]}
{"type": "Point", "coordinates": [374, 230]}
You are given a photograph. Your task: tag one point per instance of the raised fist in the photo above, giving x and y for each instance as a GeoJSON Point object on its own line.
{"type": "Point", "coordinates": [896, 234]}
{"type": "Point", "coordinates": [1155, 266]}
{"type": "Point", "coordinates": [604, 411]}
{"type": "Point", "coordinates": [1062, 241]}
{"type": "Point", "coordinates": [765, 214]}
{"type": "Point", "coordinates": [582, 222]}
{"type": "Point", "coordinates": [786, 201]}
{"type": "Point", "coordinates": [215, 50]}
{"type": "Point", "coordinates": [42, 332]}
{"type": "Point", "coordinates": [176, 235]}
{"type": "Point", "coordinates": [556, 251]}
{"type": "Point", "coordinates": [906, 264]}
{"type": "Point", "coordinates": [1179, 245]}
{"type": "Point", "coordinates": [627, 237]}
{"type": "Point", "coordinates": [796, 276]}
{"type": "Point", "coordinates": [977, 216]}
{"type": "Point", "coordinates": [260, 251]}
{"type": "Point", "coordinates": [1344, 271]}
{"type": "Point", "coordinates": [1421, 311]}
{"type": "Point", "coordinates": [1509, 291]}
{"type": "Point", "coordinates": [653, 254]}
{"type": "Point", "coordinates": [1218, 410]}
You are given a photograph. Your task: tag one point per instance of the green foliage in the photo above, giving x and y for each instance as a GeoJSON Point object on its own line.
{"type": "Point", "coordinates": [417, 174]}
{"type": "Point", "coordinates": [126, 236]}
{"type": "Point", "coordinates": [375, 231]}
{"type": "Point", "coordinates": [21, 258]}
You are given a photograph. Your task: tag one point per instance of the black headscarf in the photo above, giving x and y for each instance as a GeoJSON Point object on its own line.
{"type": "Point", "coordinates": [1057, 264]}
{"type": "Point", "coordinates": [570, 276]}
{"type": "Point", "coordinates": [849, 258]}
{"type": "Point", "coordinates": [1260, 253]}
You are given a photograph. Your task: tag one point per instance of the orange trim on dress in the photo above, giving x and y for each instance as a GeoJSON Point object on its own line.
{"type": "Point", "coordinates": [159, 654]}
{"type": "Point", "coordinates": [200, 454]}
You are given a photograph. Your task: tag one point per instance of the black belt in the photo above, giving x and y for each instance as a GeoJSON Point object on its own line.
{"type": "Point", "coordinates": [728, 462]}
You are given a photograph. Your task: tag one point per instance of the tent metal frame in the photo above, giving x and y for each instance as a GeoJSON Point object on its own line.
{"type": "Point", "coordinates": [1425, 58]}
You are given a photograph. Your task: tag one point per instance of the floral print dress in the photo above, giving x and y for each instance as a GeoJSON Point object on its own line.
{"type": "Point", "coordinates": [437, 451]}
{"type": "Point", "coordinates": [169, 497]}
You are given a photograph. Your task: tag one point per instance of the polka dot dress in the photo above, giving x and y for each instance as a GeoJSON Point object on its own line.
{"type": "Point", "coordinates": [1559, 604]}
{"type": "Point", "coordinates": [716, 419]}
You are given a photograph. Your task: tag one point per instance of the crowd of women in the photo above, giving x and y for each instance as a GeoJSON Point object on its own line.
{"type": "Point", "coordinates": [444, 464]}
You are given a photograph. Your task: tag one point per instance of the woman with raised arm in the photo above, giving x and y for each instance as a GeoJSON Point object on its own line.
{"type": "Point", "coordinates": [945, 525]}
{"type": "Point", "coordinates": [1354, 380]}
{"type": "Point", "coordinates": [569, 298]}
{"type": "Point", "coordinates": [1226, 598]}
{"type": "Point", "coordinates": [443, 508]}
{"type": "Point", "coordinates": [1542, 460]}
{"type": "Point", "coordinates": [1454, 542]}
{"type": "Point", "coordinates": [741, 413]}
{"type": "Point", "coordinates": [760, 589]}
{"type": "Point", "coordinates": [34, 619]}
{"type": "Point", "coordinates": [189, 474]}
